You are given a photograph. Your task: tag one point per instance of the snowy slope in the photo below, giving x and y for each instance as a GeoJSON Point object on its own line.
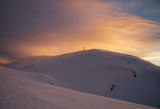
{"type": "Point", "coordinates": [96, 71]}
{"type": "Point", "coordinates": [21, 90]}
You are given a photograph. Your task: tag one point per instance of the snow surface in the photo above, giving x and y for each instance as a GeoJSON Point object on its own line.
{"type": "Point", "coordinates": [95, 71]}
{"type": "Point", "coordinates": [27, 90]}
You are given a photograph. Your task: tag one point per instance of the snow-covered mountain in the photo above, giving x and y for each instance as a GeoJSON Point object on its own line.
{"type": "Point", "coordinates": [27, 90]}
{"type": "Point", "coordinates": [100, 72]}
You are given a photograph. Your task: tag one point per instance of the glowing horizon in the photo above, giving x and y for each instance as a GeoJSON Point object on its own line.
{"type": "Point", "coordinates": [57, 27]}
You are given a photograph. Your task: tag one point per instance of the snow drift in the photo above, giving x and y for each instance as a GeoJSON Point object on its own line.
{"type": "Point", "coordinates": [21, 90]}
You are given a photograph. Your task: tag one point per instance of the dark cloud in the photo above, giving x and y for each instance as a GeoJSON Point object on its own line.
{"type": "Point", "coordinates": [25, 17]}
{"type": "Point", "coordinates": [21, 20]}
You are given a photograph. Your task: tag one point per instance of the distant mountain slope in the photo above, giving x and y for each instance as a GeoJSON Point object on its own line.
{"type": "Point", "coordinates": [101, 72]}
{"type": "Point", "coordinates": [20, 90]}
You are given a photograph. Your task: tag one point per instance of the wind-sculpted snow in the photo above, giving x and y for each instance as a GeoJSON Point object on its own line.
{"type": "Point", "coordinates": [21, 90]}
{"type": "Point", "coordinates": [100, 72]}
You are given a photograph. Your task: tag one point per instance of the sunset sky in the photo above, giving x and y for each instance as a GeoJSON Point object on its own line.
{"type": "Point", "coordinates": [52, 27]}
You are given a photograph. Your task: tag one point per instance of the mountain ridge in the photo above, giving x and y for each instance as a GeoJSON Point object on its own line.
{"type": "Point", "coordinates": [97, 71]}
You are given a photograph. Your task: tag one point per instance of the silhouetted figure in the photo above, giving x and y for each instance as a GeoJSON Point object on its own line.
{"type": "Point", "coordinates": [134, 74]}
{"type": "Point", "coordinates": [84, 49]}
{"type": "Point", "coordinates": [112, 87]}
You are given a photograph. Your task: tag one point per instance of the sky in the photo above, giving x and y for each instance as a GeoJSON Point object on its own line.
{"type": "Point", "coordinates": [52, 27]}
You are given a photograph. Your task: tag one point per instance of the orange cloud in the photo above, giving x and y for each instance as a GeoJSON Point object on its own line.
{"type": "Point", "coordinates": [3, 61]}
{"type": "Point", "coordinates": [99, 25]}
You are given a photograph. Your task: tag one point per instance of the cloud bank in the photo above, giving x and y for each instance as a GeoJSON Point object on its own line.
{"type": "Point", "coordinates": [51, 27]}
